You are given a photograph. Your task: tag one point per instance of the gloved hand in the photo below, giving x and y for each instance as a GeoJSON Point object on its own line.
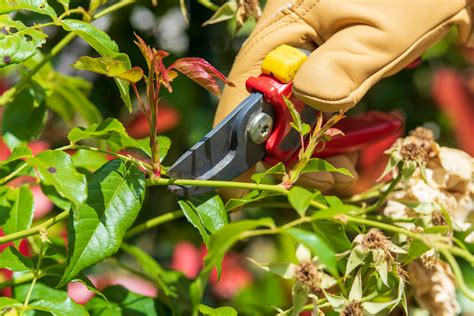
{"type": "Point", "coordinates": [356, 43]}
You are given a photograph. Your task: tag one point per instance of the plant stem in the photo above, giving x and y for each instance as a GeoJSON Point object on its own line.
{"type": "Point", "coordinates": [153, 223]}
{"type": "Point", "coordinates": [36, 274]}
{"type": "Point", "coordinates": [113, 8]}
{"type": "Point", "coordinates": [13, 174]}
{"type": "Point", "coordinates": [458, 274]}
{"type": "Point", "coordinates": [385, 194]}
{"type": "Point", "coordinates": [34, 230]}
{"type": "Point", "coordinates": [208, 4]}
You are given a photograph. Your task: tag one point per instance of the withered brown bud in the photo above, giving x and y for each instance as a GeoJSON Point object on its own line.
{"type": "Point", "coordinates": [307, 274]}
{"type": "Point", "coordinates": [438, 219]}
{"type": "Point", "coordinates": [422, 133]}
{"type": "Point", "coordinates": [413, 152]}
{"type": "Point", "coordinates": [402, 273]}
{"type": "Point", "coordinates": [375, 239]}
{"type": "Point", "coordinates": [354, 308]}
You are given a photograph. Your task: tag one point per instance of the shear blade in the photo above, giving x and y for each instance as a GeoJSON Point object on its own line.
{"type": "Point", "coordinates": [225, 152]}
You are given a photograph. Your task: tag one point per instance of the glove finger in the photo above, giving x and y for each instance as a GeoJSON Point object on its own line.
{"type": "Point", "coordinates": [366, 41]}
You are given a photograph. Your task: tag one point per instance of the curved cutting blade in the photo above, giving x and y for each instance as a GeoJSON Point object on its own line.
{"type": "Point", "coordinates": [225, 152]}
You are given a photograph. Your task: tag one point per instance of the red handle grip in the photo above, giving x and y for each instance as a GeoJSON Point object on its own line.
{"type": "Point", "coordinates": [283, 144]}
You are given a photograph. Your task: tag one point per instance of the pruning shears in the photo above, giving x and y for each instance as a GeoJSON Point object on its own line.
{"type": "Point", "coordinates": [259, 129]}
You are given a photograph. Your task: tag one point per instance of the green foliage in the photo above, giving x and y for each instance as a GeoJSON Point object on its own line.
{"type": "Point", "coordinates": [116, 193]}
{"type": "Point", "coordinates": [318, 252]}
{"type": "Point", "coordinates": [19, 44]}
{"type": "Point", "coordinates": [57, 172]}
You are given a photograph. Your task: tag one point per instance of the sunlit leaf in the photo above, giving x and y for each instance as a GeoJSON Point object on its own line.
{"type": "Point", "coordinates": [13, 260]}
{"type": "Point", "coordinates": [356, 289]}
{"type": "Point", "coordinates": [38, 6]}
{"type": "Point", "coordinates": [356, 258]}
{"type": "Point", "coordinates": [105, 46]}
{"type": "Point", "coordinates": [55, 168]}
{"type": "Point", "coordinates": [109, 66]}
{"type": "Point", "coordinates": [279, 168]}
{"type": "Point", "coordinates": [116, 193]}
{"type": "Point", "coordinates": [220, 311]}
{"type": "Point", "coordinates": [318, 246]}
{"type": "Point", "coordinates": [375, 308]}
{"type": "Point", "coordinates": [20, 215]}
{"type": "Point", "coordinates": [201, 72]}
{"type": "Point", "coordinates": [224, 13]}
{"type": "Point", "coordinates": [18, 42]}
{"type": "Point", "coordinates": [317, 164]}
{"type": "Point", "coordinates": [300, 199]}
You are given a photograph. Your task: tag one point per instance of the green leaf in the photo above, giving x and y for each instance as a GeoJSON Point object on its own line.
{"type": "Point", "coordinates": [356, 258]}
{"type": "Point", "coordinates": [356, 289]}
{"type": "Point", "coordinates": [317, 164]}
{"type": "Point", "coordinates": [279, 168]}
{"type": "Point", "coordinates": [21, 211]}
{"type": "Point", "coordinates": [55, 168]}
{"type": "Point", "coordinates": [112, 131]}
{"type": "Point", "coordinates": [225, 12]}
{"type": "Point", "coordinates": [109, 66]}
{"type": "Point", "coordinates": [77, 101]}
{"type": "Point", "coordinates": [416, 249]}
{"type": "Point", "coordinates": [295, 115]}
{"type": "Point", "coordinates": [105, 46]}
{"type": "Point", "coordinates": [88, 159]}
{"type": "Point", "coordinates": [6, 303]}
{"type": "Point", "coordinates": [116, 193]}
{"type": "Point", "coordinates": [45, 298]}
{"type": "Point", "coordinates": [23, 116]}
{"type": "Point", "coordinates": [65, 4]}
{"type": "Point", "coordinates": [38, 6]}
{"type": "Point", "coordinates": [300, 199]}
{"type": "Point", "coordinates": [211, 211]}
{"type": "Point", "coordinates": [13, 260]}
{"type": "Point", "coordinates": [20, 152]}
{"type": "Point", "coordinates": [222, 240]}
{"type": "Point", "coordinates": [18, 42]}
{"type": "Point", "coordinates": [192, 217]}
{"type": "Point", "coordinates": [299, 293]}
{"type": "Point", "coordinates": [59, 307]}
{"type": "Point", "coordinates": [151, 268]}
{"type": "Point", "coordinates": [220, 311]}
{"type": "Point", "coordinates": [252, 196]}
{"type": "Point", "coordinates": [391, 165]}
{"type": "Point", "coordinates": [375, 308]}
{"type": "Point", "coordinates": [121, 302]}
{"type": "Point", "coordinates": [318, 246]}
{"type": "Point", "coordinates": [55, 197]}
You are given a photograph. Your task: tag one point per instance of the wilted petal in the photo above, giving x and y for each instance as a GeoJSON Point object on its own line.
{"type": "Point", "coordinates": [303, 254]}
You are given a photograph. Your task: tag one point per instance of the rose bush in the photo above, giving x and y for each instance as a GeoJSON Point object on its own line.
{"type": "Point", "coordinates": [86, 226]}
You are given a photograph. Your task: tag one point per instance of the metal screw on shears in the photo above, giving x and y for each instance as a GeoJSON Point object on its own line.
{"type": "Point", "coordinates": [260, 127]}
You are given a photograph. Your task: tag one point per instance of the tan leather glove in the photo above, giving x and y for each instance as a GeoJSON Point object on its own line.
{"type": "Point", "coordinates": [358, 43]}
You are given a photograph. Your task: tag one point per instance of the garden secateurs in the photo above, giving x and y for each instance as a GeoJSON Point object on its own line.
{"type": "Point", "coordinates": [259, 129]}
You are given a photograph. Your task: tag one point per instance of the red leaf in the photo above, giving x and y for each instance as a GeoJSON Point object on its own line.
{"type": "Point", "coordinates": [145, 49]}
{"type": "Point", "coordinates": [201, 72]}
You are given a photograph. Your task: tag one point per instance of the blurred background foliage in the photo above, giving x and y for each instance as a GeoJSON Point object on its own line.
{"type": "Point", "coordinates": [426, 95]}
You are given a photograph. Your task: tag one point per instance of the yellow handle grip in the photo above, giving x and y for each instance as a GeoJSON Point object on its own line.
{"type": "Point", "coordinates": [283, 62]}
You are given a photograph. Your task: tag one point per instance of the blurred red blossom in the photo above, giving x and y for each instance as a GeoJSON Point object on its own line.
{"type": "Point", "coordinates": [188, 259]}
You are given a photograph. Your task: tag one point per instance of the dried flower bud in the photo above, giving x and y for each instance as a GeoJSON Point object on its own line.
{"type": "Point", "coordinates": [375, 239]}
{"type": "Point", "coordinates": [438, 219]}
{"type": "Point", "coordinates": [422, 133]}
{"type": "Point", "coordinates": [353, 308]}
{"type": "Point", "coordinates": [434, 288]}
{"type": "Point", "coordinates": [307, 274]}
{"type": "Point", "coordinates": [413, 152]}
{"type": "Point", "coordinates": [429, 259]}
{"type": "Point", "coordinates": [247, 9]}
{"type": "Point", "coordinates": [402, 272]}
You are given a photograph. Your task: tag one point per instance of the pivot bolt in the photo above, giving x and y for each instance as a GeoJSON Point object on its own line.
{"type": "Point", "coordinates": [260, 127]}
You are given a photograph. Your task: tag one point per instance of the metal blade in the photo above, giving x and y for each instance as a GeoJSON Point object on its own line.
{"type": "Point", "coordinates": [225, 152]}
